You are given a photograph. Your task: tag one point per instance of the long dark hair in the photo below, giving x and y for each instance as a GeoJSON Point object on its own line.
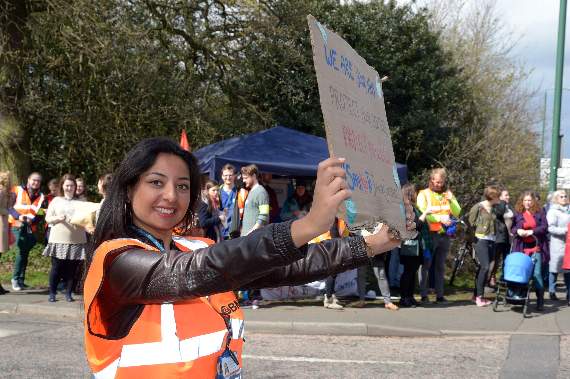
{"type": "Point", "coordinates": [116, 212]}
{"type": "Point", "coordinates": [210, 184]}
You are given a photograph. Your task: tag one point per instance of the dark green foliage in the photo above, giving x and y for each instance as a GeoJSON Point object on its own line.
{"type": "Point", "coordinates": [94, 77]}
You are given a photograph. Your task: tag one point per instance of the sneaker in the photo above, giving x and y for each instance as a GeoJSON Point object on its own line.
{"type": "Point", "coordinates": [441, 300]}
{"type": "Point", "coordinates": [481, 302]}
{"type": "Point", "coordinates": [51, 298]}
{"type": "Point", "coordinates": [391, 306]}
{"type": "Point", "coordinates": [406, 303]}
{"type": "Point", "coordinates": [16, 285]}
{"type": "Point", "coordinates": [424, 299]}
{"type": "Point", "coordinates": [334, 303]}
{"type": "Point", "coordinates": [24, 286]}
{"type": "Point", "coordinates": [414, 302]}
{"type": "Point", "coordinates": [255, 304]}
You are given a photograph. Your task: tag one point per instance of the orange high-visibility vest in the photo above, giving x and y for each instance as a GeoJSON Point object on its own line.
{"type": "Point", "coordinates": [179, 340]}
{"type": "Point", "coordinates": [438, 207]}
{"type": "Point", "coordinates": [342, 231]}
{"type": "Point", "coordinates": [24, 205]}
{"type": "Point", "coordinates": [241, 198]}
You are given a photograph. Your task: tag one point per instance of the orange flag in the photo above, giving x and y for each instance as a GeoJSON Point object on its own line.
{"type": "Point", "coordinates": [184, 141]}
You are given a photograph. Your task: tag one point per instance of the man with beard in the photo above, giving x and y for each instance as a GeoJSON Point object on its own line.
{"type": "Point", "coordinates": [256, 209]}
{"type": "Point", "coordinates": [442, 205]}
{"type": "Point", "coordinates": [23, 221]}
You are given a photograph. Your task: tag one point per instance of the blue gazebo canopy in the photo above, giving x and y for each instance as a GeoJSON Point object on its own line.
{"type": "Point", "coordinates": [279, 151]}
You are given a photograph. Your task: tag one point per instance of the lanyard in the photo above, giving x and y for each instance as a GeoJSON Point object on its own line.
{"type": "Point", "coordinates": [158, 245]}
{"type": "Point", "coordinates": [147, 235]}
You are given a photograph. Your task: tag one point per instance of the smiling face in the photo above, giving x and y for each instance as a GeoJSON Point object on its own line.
{"type": "Point", "coordinates": [248, 180]}
{"type": "Point", "coordinates": [161, 197]}
{"type": "Point", "coordinates": [229, 178]}
{"type": "Point", "coordinates": [34, 181]}
{"type": "Point", "coordinates": [68, 188]}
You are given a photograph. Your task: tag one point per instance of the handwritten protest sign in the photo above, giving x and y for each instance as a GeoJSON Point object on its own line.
{"type": "Point", "coordinates": [356, 127]}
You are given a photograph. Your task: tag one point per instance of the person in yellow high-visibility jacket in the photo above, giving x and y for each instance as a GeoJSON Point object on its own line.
{"type": "Point", "coordinates": [441, 204]}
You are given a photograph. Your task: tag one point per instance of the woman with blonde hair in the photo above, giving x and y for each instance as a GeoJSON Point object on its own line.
{"type": "Point", "coordinates": [558, 217]}
{"type": "Point", "coordinates": [6, 201]}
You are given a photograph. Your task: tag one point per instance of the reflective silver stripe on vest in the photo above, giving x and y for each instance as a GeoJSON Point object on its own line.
{"type": "Point", "coordinates": [108, 372]}
{"type": "Point", "coordinates": [170, 349]}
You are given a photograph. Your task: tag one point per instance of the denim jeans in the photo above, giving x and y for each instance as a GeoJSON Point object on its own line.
{"type": "Point", "coordinates": [552, 277]}
{"type": "Point", "coordinates": [537, 274]}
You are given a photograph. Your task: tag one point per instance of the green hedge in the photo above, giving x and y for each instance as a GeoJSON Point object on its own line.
{"type": "Point", "coordinates": [37, 271]}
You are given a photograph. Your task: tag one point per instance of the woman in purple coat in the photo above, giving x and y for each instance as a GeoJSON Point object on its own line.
{"type": "Point", "coordinates": [530, 228]}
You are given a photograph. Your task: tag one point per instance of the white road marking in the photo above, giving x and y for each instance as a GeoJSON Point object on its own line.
{"type": "Point", "coordinates": [321, 360]}
{"type": "Point", "coordinates": [6, 332]}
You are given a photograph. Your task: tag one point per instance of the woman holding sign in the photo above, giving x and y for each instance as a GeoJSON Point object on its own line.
{"type": "Point", "coordinates": [160, 306]}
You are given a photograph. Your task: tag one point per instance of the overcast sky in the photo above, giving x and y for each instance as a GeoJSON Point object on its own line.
{"type": "Point", "coordinates": [535, 22]}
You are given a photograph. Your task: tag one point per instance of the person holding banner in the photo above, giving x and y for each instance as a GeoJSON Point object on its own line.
{"type": "Point", "coordinates": [443, 206]}
{"type": "Point", "coordinates": [176, 315]}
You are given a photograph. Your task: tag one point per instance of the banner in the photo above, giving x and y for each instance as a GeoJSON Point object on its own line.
{"type": "Point", "coordinates": [356, 128]}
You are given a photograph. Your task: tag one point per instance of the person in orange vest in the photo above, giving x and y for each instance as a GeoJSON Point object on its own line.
{"type": "Point", "coordinates": [158, 307]}
{"type": "Point", "coordinates": [23, 220]}
{"type": "Point", "coordinates": [442, 205]}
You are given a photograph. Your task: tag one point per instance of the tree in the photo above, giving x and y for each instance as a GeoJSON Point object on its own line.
{"type": "Point", "coordinates": [97, 76]}
{"type": "Point", "coordinates": [492, 140]}
{"type": "Point", "coordinates": [422, 94]}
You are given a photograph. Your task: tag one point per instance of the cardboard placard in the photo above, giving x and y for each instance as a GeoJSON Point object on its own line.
{"type": "Point", "coordinates": [356, 128]}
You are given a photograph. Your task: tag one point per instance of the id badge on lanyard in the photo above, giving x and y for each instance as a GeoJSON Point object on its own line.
{"type": "Point", "coordinates": [228, 366]}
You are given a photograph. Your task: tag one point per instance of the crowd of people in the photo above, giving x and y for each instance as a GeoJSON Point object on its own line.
{"type": "Point", "coordinates": [497, 226]}
{"type": "Point", "coordinates": [147, 225]}
{"type": "Point", "coordinates": [245, 202]}
{"type": "Point", "coordinates": [27, 216]}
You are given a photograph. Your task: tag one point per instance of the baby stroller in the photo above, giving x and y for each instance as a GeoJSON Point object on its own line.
{"type": "Point", "coordinates": [515, 285]}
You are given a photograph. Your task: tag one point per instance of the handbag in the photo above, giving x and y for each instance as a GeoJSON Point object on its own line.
{"type": "Point", "coordinates": [410, 248]}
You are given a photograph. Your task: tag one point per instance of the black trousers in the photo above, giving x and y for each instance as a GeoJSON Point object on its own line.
{"type": "Point", "coordinates": [62, 269]}
{"type": "Point", "coordinates": [408, 278]}
{"type": "Point", "coordinates": [485, 251]}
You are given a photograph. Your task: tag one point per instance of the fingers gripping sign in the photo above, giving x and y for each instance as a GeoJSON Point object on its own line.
{"type": "Point", "coordinates": [331, 190]}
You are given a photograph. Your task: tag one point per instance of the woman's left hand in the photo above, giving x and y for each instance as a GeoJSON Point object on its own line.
{"type": "Point", "coordinates": [381, 241]}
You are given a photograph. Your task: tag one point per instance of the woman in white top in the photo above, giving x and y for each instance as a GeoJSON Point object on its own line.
{"type": "Point", "coordinates": [558, 217]}
{"type": "Point", "coordinates": [66, 245]}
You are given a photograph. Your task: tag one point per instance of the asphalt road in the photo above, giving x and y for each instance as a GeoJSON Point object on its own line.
{"type": "Point", "coordinates": [42, 347]}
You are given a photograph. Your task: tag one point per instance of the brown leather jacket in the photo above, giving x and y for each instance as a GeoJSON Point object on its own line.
{"type": "Point", "coordinates": [265, 258]}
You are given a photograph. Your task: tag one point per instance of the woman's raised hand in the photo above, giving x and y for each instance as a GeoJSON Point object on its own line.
{"type": "Point", "coordinates": [330, 191]}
